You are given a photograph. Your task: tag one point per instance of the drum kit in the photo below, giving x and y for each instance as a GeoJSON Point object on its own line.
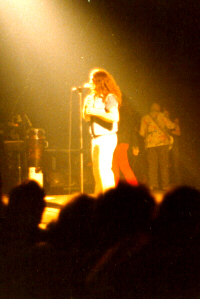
{"type": "Point", "coordinates": [22, 151]}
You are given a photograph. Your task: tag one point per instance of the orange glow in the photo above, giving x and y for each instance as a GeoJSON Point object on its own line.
{"type": "Point", "coordinates": [158, 196]}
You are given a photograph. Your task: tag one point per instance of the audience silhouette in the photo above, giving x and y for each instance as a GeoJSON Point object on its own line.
{"type": "Point", "coordinates": [64, 260]}
{"type": "Point", "coordinates": [24, 213]}
{"type": "Point", "coordinates": [121, 244]}
{"type": "Point", "coordinates": [164, 265]}
{"type": "Point", "coordinates": [176, 245]}
{"type": "Point", "coordinates": [19, 233]}
{"type": "Point", "coordinates": [122, 212]}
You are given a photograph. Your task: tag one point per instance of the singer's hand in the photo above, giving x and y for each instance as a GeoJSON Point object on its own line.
{"type": "Point", "coordinates": [89, 101]}
{"type": "Point", "coordinates": [90, 111]}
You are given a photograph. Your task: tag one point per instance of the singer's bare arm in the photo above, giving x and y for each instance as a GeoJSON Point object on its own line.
{"type": "Point", "coordinates": [111, 116]}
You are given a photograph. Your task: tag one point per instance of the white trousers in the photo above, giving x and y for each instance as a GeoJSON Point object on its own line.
{"type": "Point", "coordinates": [102, 155]}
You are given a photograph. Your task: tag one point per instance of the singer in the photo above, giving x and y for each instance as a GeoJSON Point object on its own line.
{"type": "Point", "coordinates": [101, 108]}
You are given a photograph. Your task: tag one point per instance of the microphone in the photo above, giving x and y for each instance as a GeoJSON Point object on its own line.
{"type": "Point", "coordinates": [85, 86]}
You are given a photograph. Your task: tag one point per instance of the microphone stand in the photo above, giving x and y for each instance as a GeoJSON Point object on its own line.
{"type": "Point", "coordinates": [81, 136]}
{"type": "Point", "coordinates": [79, 89]}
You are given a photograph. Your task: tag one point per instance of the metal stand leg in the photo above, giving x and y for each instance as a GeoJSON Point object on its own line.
{"type": "Point", "coordinates": [19, 168]}
{"type": "Point", "coordinates": [81, 140]}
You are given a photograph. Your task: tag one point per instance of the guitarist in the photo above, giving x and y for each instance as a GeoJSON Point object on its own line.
{"type": "Point", "coordinates": [153, 129]}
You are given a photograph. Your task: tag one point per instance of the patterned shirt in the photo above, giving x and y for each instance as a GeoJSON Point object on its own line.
{"type": "Point", "coordinates": [154, 131]}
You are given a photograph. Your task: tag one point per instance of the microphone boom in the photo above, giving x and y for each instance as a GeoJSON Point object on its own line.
{"type": "Point", "coordinates": [79, 88]}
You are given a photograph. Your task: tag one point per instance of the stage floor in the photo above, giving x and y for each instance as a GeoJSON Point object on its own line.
{"type": "Point", "coordinates": [53, 205]}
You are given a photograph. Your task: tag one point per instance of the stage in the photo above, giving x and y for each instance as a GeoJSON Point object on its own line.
{"type": "Point", "coordinates": [53, 205]}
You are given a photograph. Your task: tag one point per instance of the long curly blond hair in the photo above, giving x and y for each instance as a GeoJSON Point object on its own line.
{"type": "Point", "coordinates": [104, 84]}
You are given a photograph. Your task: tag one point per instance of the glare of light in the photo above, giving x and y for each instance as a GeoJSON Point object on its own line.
{"type": "Point", "coordinates": [158, 197]}
{"type": "Point", "coordinates": [37, 52]}
{"type": "Point", "coordinates": [33, 24]}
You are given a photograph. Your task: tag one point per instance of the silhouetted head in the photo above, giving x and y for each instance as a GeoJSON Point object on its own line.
{"type": "Point", "coordinates": [124, 211]}
{"type": "Point", "coordinates": [26, 204]}
{"type": "Point", "coordinates": [73, 227]}
{"type": "Point", "coordinates": [179, 216]}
